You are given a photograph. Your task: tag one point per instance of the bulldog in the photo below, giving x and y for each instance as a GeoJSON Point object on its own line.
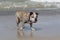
{"type": "Point", "coordinates": [26, 17]}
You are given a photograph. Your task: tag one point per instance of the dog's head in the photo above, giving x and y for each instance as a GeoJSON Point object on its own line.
{"type": "Point", "coordinates": [33, 17]}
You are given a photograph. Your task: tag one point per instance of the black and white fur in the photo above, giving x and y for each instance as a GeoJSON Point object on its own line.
{"type": "Point", "coordinates": [30, 18]}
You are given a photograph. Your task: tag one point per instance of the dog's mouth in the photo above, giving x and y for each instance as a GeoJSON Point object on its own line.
{"type": "Point", "coordinates": [33, 21]}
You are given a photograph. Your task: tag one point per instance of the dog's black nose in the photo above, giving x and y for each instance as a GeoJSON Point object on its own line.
{"type": "Point", "coordinates": [35, 19]}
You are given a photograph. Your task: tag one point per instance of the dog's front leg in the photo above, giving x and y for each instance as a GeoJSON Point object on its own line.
{"type": "Point", "coordinates": [32, 27]}
{"type": "Point", "coordinates": [22, 26]}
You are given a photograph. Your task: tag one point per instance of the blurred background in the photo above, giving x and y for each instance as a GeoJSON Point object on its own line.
{"type": "Point", "coordinates": [28, 4]}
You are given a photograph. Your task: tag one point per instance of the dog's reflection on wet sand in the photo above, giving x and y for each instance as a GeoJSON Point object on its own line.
{"type": "Point", "coordinates": [23, 35]}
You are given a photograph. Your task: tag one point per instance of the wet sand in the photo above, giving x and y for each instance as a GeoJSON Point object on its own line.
{"type": "Point", "coordinates": [47, 28]}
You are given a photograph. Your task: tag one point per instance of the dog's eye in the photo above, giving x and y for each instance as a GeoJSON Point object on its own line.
{"type": "Point", "coordinates": [32, 16]}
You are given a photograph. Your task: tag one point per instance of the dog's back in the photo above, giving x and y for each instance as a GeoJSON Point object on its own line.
{"type": "Point", "coordinates": [22, 15]}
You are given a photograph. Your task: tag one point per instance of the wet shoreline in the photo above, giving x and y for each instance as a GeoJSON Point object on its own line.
{"type": "Point", "coordinates": [48, 27]}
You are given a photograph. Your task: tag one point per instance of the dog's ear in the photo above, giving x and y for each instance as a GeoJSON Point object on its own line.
{"type": "Point", "coordinates": [36, 13]}
{"type": "Point", "coordinates": [31, 13]}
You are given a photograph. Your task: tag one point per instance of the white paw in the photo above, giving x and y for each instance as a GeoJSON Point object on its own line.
{"type": "Point", "coordinates": [21, 28]}
{"type": "Point", "coordinates": [33, 29]}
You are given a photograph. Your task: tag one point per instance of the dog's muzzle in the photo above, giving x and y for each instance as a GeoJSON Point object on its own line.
{"type": "Point", "coordinates": [34, 20]}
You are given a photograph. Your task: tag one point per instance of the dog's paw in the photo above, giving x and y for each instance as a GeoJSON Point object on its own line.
{"type": "Point", "coordinates": [33, 29]}
{"type": "Point", "coordinates": [21, 28]}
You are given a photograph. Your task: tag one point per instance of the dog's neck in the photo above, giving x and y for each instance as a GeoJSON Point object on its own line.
{"type": "Point", "coordinates": [29, 18]}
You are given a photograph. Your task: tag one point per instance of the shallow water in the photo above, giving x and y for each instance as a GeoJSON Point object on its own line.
{"type": "Point", "coordinates": [47, 28]}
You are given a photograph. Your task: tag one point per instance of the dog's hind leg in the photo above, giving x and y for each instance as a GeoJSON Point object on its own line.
{"type": "Point", "coordinates": [17, 21]}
